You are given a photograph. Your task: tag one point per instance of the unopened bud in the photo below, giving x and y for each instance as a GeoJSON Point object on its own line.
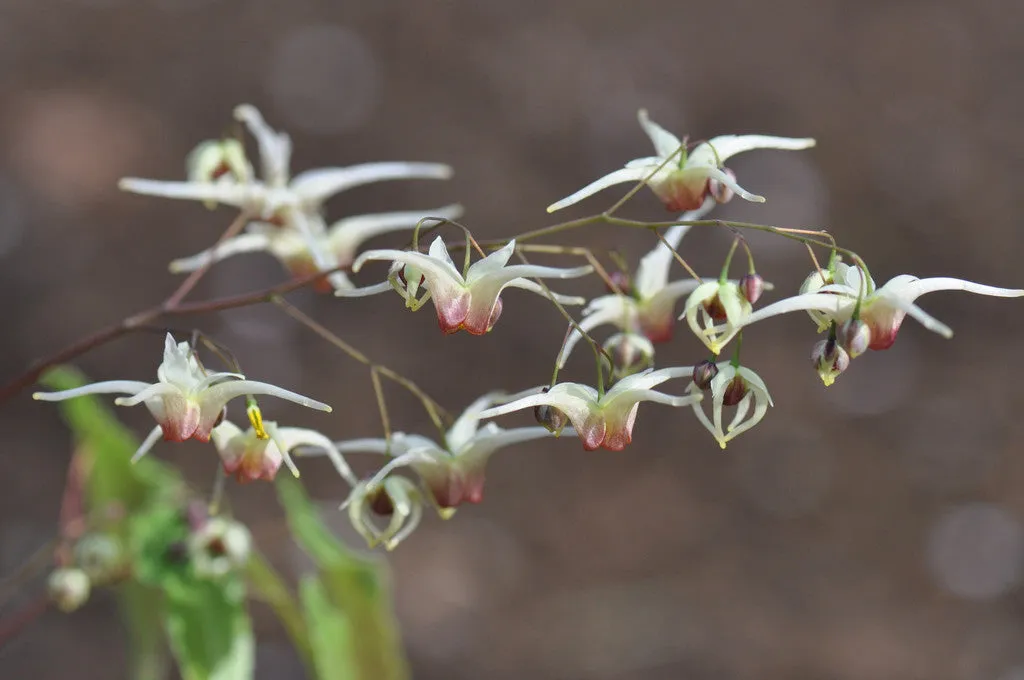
{"type": "Point", "coordinates": [220, 547]}
{"type": "Point", "coordinates": [752, 286]}
{"type": "Point", "coordinates": [69, 588]}
{"type": "Point", "coordinates": [551, 418]}
{"type": "Point", "coordinates": [704, 373]}
{"type": "Point", "coordinates": [829, 360]}
{"type": "Point", "coordinates": [854, 336]}
{"type": "Point", "coordinates": [721, 192]}
{"type": "Point", "coordinates": [621, 281]}
{"type": "Point", "coordinates": [100, 556]}
{"type": "Point", "coordinates": [630, 353]}
{"type": "Point", "coordinates": [735, 391]}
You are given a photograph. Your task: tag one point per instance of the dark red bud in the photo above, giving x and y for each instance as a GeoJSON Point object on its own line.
{"type": "Point", "coordinates": [704, 373]}
{"type": "Point", "coordinates": [855, 336]}
{"type": "Point", "coordinates": [752, 286]}
{"type": "Point", "coordinates": [735, 392]}
{"type": "Point", "coordinates": [550, 417]}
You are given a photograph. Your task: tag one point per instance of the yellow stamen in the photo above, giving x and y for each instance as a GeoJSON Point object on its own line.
{"type": "Point", "coordinates": [256, 419]}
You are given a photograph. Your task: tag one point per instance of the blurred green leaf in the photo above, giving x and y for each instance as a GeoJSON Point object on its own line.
{"type": "Point", "coordinates": [270, 588]}
{"type": "Point", "coordinates": [210, 632]}
{"type": "Point", "coordinates": [109, 446]}
{"type": "Point", "coordinates": [354, 585]}
{"type": "Point", "coordinates": [330, 633]}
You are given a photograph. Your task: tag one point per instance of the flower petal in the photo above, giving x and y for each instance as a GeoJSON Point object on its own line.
{"type": "Point", "coordinates": [717, 150]}
{"type": "Point", "coordinates": [291, 437]}
{"type": "Point", "coordinates": [238, 195]}
{"type": "Point", "coordinates": [313, 187]}
{"type": "Point", "coordinates": [148, 442]}
{"type": "Point", "coordinates": [614, 309]}
{"type": "Point", "coordinates": [275, 147]}
{"type": "Point", "coordinates": [665, 143]}
{"type": "Point", "coordinates": [620, 176]}
{"type": "Point", "coordinates": [244, 243]}
{"type": "Point", "coordinates": [346, 235]}
{"type": "Point", "coordinates": [534, 287]}
{"type": "Point", "coordinates": [838, 307]}
{"type": "Point", "coordinates": [107, 387]}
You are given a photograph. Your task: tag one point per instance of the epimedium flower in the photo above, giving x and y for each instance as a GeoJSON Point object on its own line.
{"type": "Point", "coordinates": [258, 453]}
{"type": "Point", "coordinates": [684, 182]}
{"type": "Point", "coordinates": [186, 401]}
{"type": "Point", "coordinates": [604, 420]}
{"type": "Point", "coordinates": [471, 301]}
{"type": "Point", "coordinates": [882, 309]}
{"type": "Point", "coordinates": [276, 190]}
{"type": "Point", "coordinates": [715, 312]}
{"type": "Point", "coordinates": [646, 307]}
{"type": "Point", "coordinates": [394, 497]}
{"type": "Point", "coordinates": [733, 386]}
{"type": "Point", "coordinates": [453, 470]}
{"type": "Point", "coordinates": [337, 246]}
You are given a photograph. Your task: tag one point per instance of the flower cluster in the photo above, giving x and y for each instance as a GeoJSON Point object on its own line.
{"type": "Point", "coordinates": [283, 216]}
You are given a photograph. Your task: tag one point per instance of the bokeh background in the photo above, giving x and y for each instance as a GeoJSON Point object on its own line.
{"type": "Point", "coordinates": [871, 530]}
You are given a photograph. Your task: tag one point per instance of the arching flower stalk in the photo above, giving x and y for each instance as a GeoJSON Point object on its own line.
{"type": "Point", "coordinates": [604, 420]}
{"type": "Point", "coordinates": [471, 301]}
{"type": "Point", "coordinates": [684, 182]}
{"type": "Point", "coordinates": [186, 401]}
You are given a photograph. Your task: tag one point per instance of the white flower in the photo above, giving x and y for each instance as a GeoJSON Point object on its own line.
{"type": "Point", "coordinates": [292, 202]}
{"type": "Point", "coordinates": [683, 183]}
{"type": "Point", "coordinates": [186, 401]}
{"type": "Point", "coordinates": [882, 309]}
{"type": "Point", "coordinates": [453, 471]}
{"type": "Point", "coordinates": [712, 303]}
{"type": "Point", "coordinates": [648, 308]}
{"type": "Point", "coordinates": [337, 245]}
{"type": "Point", "coordinates": [249, 456]}
{"type": "Point", "coordinates": [219, 547]}
{"type": "Point", "coordinates": [276, 191]}
{"type": "Point", "coordinates": [733, 386]}
{"type": "Point", "coordinates": [469, 302]}
{"type": "Point", "coordinates": [604, 420]}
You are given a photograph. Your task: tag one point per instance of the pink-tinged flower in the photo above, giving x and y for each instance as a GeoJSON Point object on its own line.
{"type": "Point", "coordinates": [733, 386]}
{"type": "Point", "coordinates": [685, 181]}
{"type": "Point", "coordinates": [604, 420]}
{"type": "Point", "coordinates": [648, 307]}
{"type": "Point", "coordinates": [452, 471]}
{"type": "Point", "coordinates": [882, 309]}
{"type": "Point", "coordinates": [716, 311]}
{"type": "Point", "coordinates": [471, 302]}
{"type": "Point", "coordinates": [337, 245]}
{"type": "Point", "coordinates": [249, 456]}
{"type": "Point", "coordinates": [186, 401]}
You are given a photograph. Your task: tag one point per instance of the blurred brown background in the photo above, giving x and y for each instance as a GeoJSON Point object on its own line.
{"type": "Point", "coordinates": [873, 530]}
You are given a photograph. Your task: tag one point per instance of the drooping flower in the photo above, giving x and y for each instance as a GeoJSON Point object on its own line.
{"type": "Point", "coordinates": [716, 311]}
{"type": "Point", "coordinates": [733, 386]}
{"type": "Point", "coordinates": [604, 420]}
{"type": "Point", "coordinates": [394, 497]}
{"type": "Point", "coordinates": [683, 182]}
{"type": "Point", "coordinates": [830, 360]}
{"type": "Point", "coordinates": [277, 190]}
{"type": "Point", "coordinates": [452, 471]}
{"type": "Point", "coordinates": [338, 245]}
{"type": "Point", "coordinates": [219, 547]}
{"type": "Point", "coordinates": [249, 456]}
{"type": "Point", "coordinates": [471, 302]}
{"type": "Point", "coordinates": [186, 400]}
{"type": "Point", "coordinates": [881, 309]}
{"type": "Point", "coordinates": [648, 307]}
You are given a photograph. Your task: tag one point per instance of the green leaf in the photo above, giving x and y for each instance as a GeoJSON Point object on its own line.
{"type": "Point", "coordinates": [331, 633]}
{"type": "Point", "coordinates": [210, 632]}
{"type": "Point", "coordinates": [109, 446]}
{"type": "Point", "coordinates": [270, 588]}
{"type": "Point", "coordinates": [142, 613]}
{"type": "Point", "coordinates": [354, 585]}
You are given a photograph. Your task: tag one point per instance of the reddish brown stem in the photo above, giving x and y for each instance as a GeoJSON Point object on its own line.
{"type": "Point", "coordinates": [14, 624]}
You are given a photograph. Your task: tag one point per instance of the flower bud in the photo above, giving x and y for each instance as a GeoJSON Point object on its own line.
{"type": "Point", "coordinates": [630, 353]}
{"type": "Point", "coordinates": [704, 373]}
{"type": "Point", "coordinates": [735, 391]}
{"type": "Point", "coordinates": [219, 547]}
{"type": "Point", "coordinates": [752, 286]}
{"type": "Point", "coordinates": [550, 417]}
{"type": "Point", "coordinates": [621, 281]}
{"type": "Point", "coordinates": [722, 193]}
{"type": "Point", "coordinates": [829, 360]}
{"type": "Point", "coordinates": [218, 158]}
{"type": "Point", "coordinates": [854, 336]}
{"type": "Point", "coordinates": [100, 556]}
{"type": "Point", "coordinates": [69, 588]}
